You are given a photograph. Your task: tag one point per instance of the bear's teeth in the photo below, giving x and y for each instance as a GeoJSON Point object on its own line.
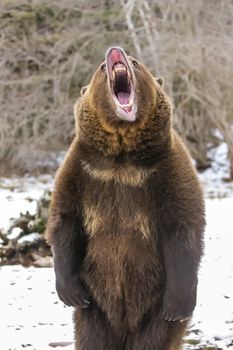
{"type": "Point", "coordinates": [118, 69]}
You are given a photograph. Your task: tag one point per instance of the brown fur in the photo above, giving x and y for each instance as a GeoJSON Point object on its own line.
{"type": "Point", "coordinates": [126, 223]}
{"type": "Point", "coordinates": [126, 175]}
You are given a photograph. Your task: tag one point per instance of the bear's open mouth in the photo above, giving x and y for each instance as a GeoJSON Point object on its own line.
{"type": "Point", "coordinates": [121, 83]}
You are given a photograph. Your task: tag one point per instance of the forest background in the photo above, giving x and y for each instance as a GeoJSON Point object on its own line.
{"type": "Point", "coordinates": [50, 49]}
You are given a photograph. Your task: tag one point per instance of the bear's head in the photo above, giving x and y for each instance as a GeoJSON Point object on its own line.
{"type": "Point", "coordinates": [122, 97]}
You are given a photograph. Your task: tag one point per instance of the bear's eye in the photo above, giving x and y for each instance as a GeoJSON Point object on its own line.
{"type": "Point", "coordinates": [135, 63]}
{"type": "Point", "coordinates": [103, 67]}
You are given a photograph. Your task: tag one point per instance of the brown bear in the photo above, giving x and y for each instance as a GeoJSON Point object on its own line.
{"type": "Point", "coordinates": [127, 215]}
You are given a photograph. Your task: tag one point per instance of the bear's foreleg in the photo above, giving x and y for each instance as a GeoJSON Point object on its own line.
{"type": "Point", "coordinates": [181, 253]}
{"type": "Point", "coordinates": [68, 246]}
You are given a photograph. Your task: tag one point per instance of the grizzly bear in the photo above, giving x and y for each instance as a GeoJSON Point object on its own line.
{"type": "Point", "coordinates": [127, 215]}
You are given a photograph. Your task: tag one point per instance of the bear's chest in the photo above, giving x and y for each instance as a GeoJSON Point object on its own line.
{"type": "Point", "coordinates": [116, 208]}
{"type": "Point", "coordinates": [122, 251]}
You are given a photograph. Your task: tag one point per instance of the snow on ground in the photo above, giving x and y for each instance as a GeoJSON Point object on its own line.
{"type": "Point", "coordinates": [19, 194]}
{"type": "Point", "coordinates": [32, 317]}
{"type": "Point", "coordinates": [213, 316]}
{"type": "Point", "coordinates": [214, 179]}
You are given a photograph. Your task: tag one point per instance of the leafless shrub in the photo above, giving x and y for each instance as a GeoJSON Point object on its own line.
{"type": "Point", "coordinates": [190, 44]}
{"type": "Point", "coordinates": [48, 51]}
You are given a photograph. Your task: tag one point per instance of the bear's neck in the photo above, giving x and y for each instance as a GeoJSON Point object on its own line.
{"type": "Point", "coordinates": [135, 145]}
{"type": "Point", "coordinates": [146, 140]}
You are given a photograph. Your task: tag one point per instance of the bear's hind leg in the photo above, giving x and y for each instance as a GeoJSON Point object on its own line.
{"type": "Point", "coordinates": [92, 330]}
{"type": "Point", "coordinates": [155, 333]}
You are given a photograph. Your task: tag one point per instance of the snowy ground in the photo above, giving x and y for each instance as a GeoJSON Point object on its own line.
{"type": "Point", "coordinates": [19, 194]}
{"type": "Point", "coordinates": [32, 317]}
{"type": "Point", "coordinates": [213, 316]}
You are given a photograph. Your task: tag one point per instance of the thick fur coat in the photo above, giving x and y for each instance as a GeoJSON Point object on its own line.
{"type": "Point", "coordinates": [126, 222]}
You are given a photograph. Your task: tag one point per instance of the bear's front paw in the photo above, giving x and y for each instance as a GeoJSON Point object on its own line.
{"type": "Point", "coordinates": [178, 306]}
{"type": "Point", "coordinates": [72, 292]}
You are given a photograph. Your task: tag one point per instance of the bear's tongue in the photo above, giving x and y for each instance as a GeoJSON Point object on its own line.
{"type": "Point", "coordinates": [123, 97]}
{"type": "Point", "coordinates": [121, 83]}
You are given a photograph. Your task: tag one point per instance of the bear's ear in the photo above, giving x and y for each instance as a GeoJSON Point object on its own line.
{"type": "Point", "coordinates": [83, 90]}
{"type": "Point", "coordinates": [160, 81]}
